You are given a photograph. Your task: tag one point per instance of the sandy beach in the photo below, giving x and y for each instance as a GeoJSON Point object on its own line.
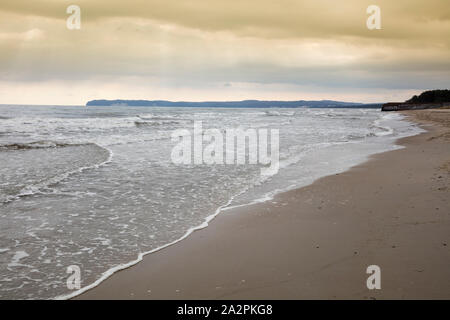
{"type": "Point", "coordinates": [317, 241]}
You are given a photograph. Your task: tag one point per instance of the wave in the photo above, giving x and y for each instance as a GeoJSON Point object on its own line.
{"type": "Point", "coordinates": [43, 126]}
{"type": "Point", "coordinates": [152, 120]}
{"type": "Point", "coordinates": [273, 113]}
{"type": "Point", "coordinates": [153, 117]}
{"type": "Point", "coordinates": [36, 145]}
{"type": "Point", "coordinates": [37, 188]}
{"type": "Point", "coordinates": [152, 123]}
{"type": "Point", "coordinates": [385, 130]}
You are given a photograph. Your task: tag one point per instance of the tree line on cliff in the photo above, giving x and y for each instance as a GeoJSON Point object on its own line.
{"type": "Point", "coordinates": [431, 96]}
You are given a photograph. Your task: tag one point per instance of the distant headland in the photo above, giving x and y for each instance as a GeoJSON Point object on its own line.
{"type": "Point", "coordinates": [432, 99]}
{"type": "Point", "coordinates": [234, 104]}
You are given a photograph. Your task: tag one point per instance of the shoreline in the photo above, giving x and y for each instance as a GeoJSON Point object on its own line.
{"type": "Point", "coordinates": [225, 207]}
{"type": "Point", "coordinates": [136, 281]}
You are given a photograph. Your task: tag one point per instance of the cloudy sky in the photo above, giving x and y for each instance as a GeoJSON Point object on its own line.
{"type": "Point", "coordinates": [197, 50]}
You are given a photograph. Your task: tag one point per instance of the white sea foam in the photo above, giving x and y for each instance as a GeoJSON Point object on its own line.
{"type": "Point", "coordinates": [19, 255]}
{"type": "Point", "coordinates": [141, 255]}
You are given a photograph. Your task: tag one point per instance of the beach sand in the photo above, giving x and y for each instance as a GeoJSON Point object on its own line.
{"type": "Point", "coordinates": [317, 241]}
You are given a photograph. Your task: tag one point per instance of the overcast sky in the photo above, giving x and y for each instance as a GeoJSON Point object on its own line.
{"type": "Point", "coordinates": [197, 50]}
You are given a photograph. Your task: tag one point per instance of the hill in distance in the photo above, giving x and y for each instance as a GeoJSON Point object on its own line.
{"type": "Point", "coordinates": [432, 99]}
{"type": "Point", "coordinates": [431, 96]}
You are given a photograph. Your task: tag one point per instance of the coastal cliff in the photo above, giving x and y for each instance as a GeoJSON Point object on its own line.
{"type": "Point", "coordinates": [433, 99]}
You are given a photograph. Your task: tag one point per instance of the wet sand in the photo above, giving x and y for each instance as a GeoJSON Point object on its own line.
{"type": "Point", "coordinates": [317, 241]}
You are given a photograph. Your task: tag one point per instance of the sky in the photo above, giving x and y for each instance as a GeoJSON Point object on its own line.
{"type": "Point", "coordinates": [221, 50]}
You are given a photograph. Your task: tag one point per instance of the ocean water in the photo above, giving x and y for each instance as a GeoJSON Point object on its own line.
{"type": "Point", "coordinates": [96, 187]}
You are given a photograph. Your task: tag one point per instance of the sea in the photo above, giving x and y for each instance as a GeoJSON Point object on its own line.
{"type": "Point", "coordinates": [96, 187]}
